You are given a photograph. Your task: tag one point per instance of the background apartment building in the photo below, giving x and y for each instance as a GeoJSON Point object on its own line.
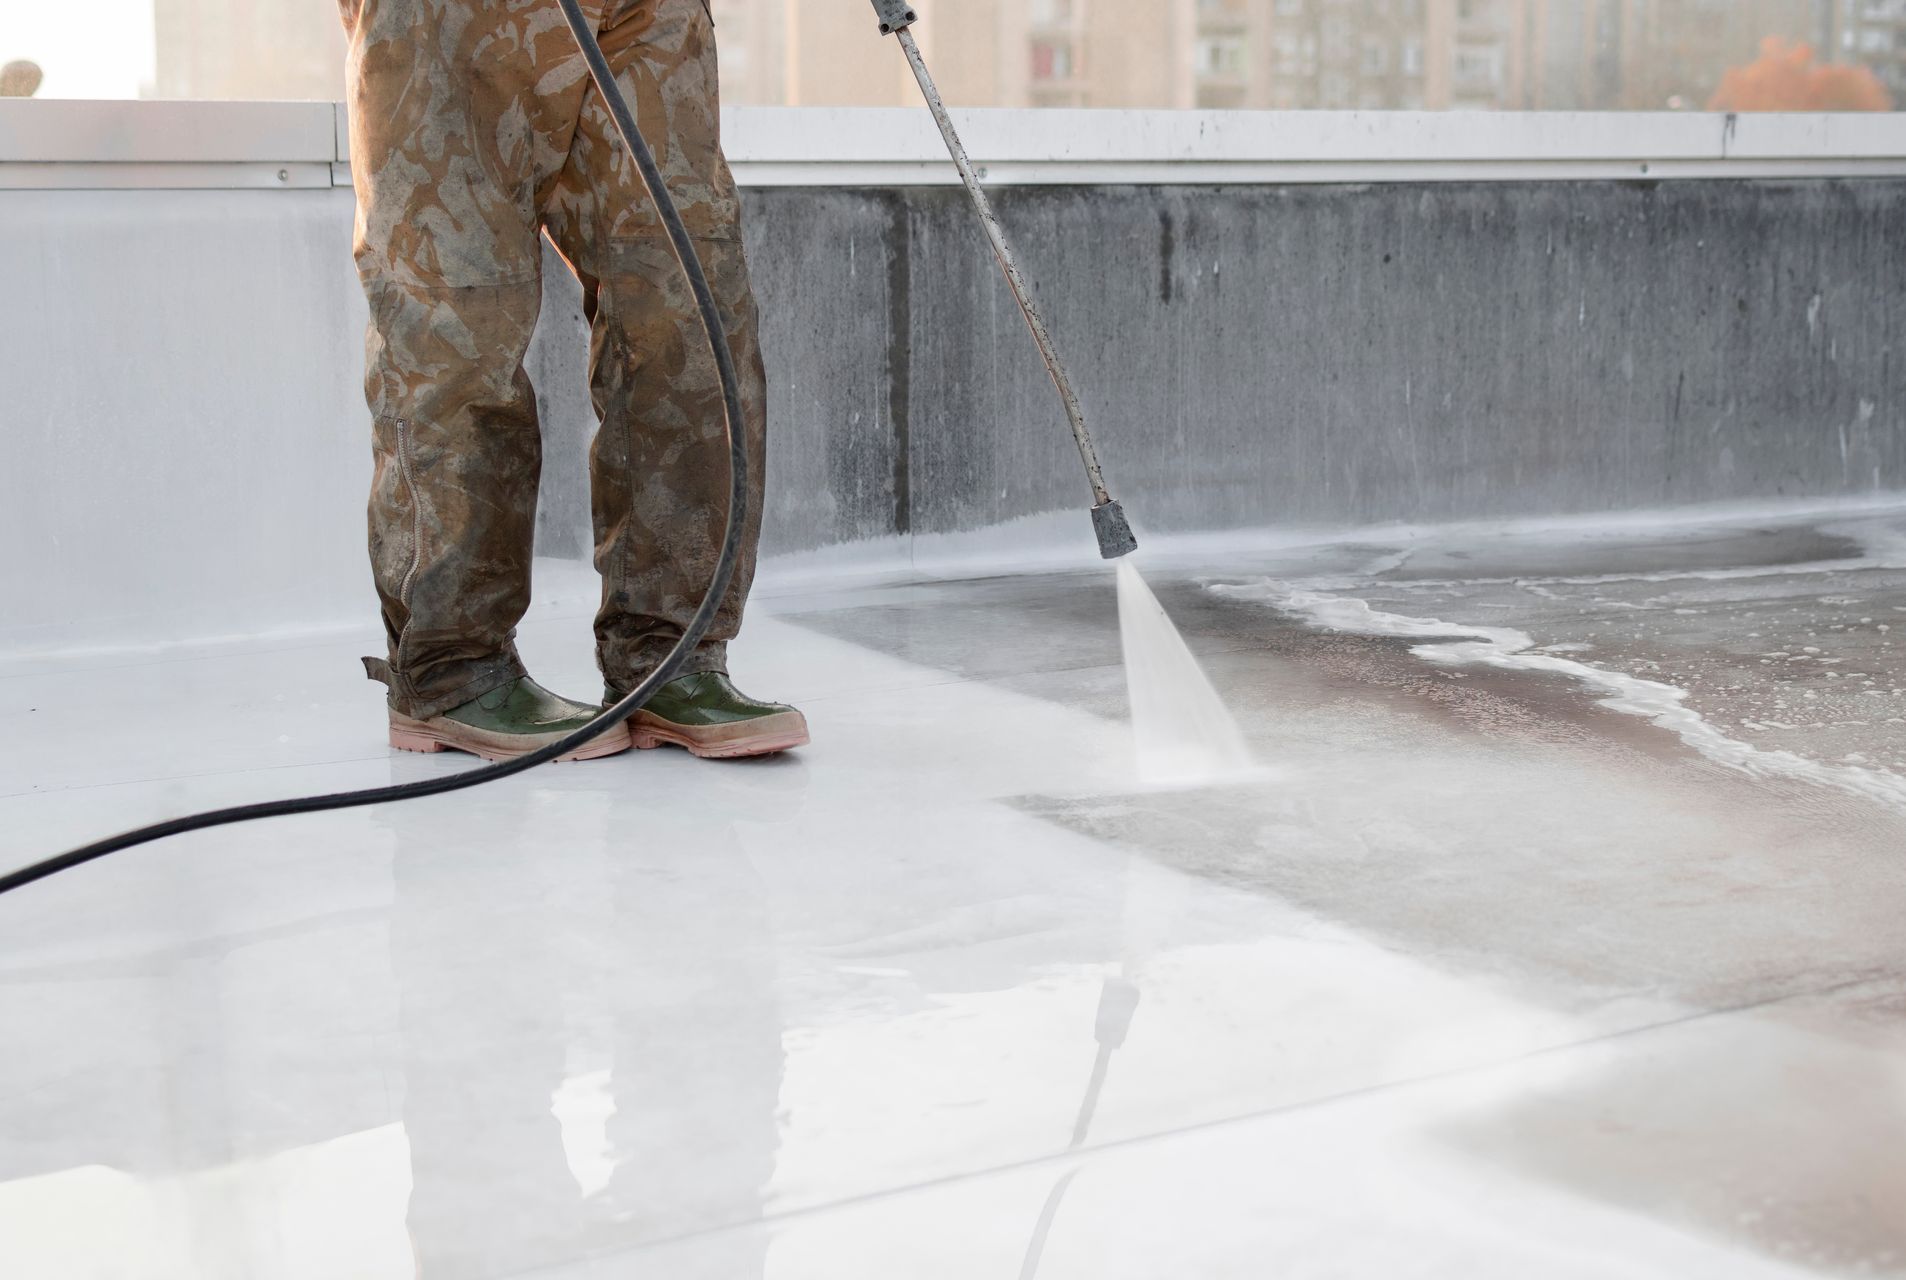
{"type": "Point", "coordinates": [1038, 53]}
{"type": "Point", "coordinates": [1336, 54]}
{"type": "Point", "coordinates": [269, 49]}
{"type": "Point", "coordinates": [1871, 33]}
{"type": "Point", "coordinates": [1673, 53]}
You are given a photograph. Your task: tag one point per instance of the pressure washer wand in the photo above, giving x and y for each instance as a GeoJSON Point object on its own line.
{"type": "Point", "coordinates": [1108, 518]}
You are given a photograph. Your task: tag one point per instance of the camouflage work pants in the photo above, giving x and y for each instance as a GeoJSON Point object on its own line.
{"type": "Point", "coordinates": [475, 129]}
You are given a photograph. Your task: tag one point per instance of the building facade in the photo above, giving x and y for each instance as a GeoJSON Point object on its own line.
{"type": "Point", "coordinates": [1581, 55]}
{"type": "Point", "coordinates": [262, 49]}
{"type": "Point", "coordinates": [1871, 33]}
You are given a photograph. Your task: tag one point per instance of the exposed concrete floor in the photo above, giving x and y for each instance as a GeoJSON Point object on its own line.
{"type": "Point", "coordinates": [1483, 979]}
{"type": "Point", "coordinates": [1793, 638]}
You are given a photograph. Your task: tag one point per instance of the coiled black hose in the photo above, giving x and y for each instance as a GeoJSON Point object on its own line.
{"type": "Point", "coordinates": [691, 265]}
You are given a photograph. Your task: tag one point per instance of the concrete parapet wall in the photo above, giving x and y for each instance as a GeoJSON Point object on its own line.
{"type": "Point", "coordinates": [187, 451]}
{"type": "Point", "coordinates": [1306, 354]}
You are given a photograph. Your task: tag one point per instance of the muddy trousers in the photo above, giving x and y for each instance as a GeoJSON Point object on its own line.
{"type": "Point", "coordinates": [475, 130]}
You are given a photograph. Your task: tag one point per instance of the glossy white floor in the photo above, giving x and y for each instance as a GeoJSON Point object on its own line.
{"type": "Point", "coordinates": [1481, 980]}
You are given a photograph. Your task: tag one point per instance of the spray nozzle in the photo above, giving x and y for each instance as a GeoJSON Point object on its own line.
{"type": "Point", "coordinates": [1116, 538]}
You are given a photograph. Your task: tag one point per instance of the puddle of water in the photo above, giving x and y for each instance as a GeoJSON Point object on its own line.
{"type": "Point", "coordinates": [1183, 731]}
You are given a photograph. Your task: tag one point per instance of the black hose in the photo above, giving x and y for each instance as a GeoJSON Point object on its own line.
{"type": "Point", "coordinates": [685, 254]}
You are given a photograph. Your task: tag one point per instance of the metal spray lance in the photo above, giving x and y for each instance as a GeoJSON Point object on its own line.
{"type": "Point", "coordinates": [1108, 518]}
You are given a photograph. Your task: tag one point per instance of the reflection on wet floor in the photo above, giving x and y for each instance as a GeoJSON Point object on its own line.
{"type": "Point", "coordinates": [1483, 978]}
{"type": "Point", "coordinates": [565, 990]}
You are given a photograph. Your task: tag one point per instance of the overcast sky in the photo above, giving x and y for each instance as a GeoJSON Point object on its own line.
{"type": "Point", "coordinates": [99, 49]}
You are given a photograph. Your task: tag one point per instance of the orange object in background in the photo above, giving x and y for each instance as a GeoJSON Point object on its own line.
{"type": "Point", "coordinates": [1786, 78]}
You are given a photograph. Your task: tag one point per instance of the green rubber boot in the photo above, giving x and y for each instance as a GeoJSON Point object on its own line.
{"type": "Point", "coordinates": [506, 723]}
{"type": "Point", "coordinates": [706, 714]}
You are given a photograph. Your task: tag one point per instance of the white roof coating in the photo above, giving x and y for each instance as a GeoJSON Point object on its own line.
{"type": "Point", "coordinates": [1480, 978]}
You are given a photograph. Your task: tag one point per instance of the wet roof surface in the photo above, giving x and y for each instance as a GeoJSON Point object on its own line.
{"type": "Point", "coordinates": [1485, 976]}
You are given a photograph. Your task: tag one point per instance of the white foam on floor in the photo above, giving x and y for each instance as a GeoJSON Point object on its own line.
{"type": "Point", "coordinates": [1455, 645]}
{"type": "Point", "coordinates": [1183, 731]}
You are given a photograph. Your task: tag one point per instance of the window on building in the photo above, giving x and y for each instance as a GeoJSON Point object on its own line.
{"type": "Point", "coordinates": [1051, 60]}
{"type": "Point", "coordinates": [1221, 56]}
{"type": "Point", "coordinates": [1051, 13]}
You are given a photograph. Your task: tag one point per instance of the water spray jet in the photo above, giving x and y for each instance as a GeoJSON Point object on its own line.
{"type": "Point", "coordinates": [1181, 727]}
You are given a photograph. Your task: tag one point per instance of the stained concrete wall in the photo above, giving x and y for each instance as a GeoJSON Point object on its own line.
{"type": "Point", "coordinates": [1255, 356]}
{"type": "Point", "coordinates": [186, 449]}
{"type": "Point", "coordinates": [1335, 355]}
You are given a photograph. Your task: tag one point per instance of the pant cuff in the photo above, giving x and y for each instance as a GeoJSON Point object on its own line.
{"type": "Point", "coordinates": [445, 689]}
{"type": "Point", "coordinates": [711, 656]}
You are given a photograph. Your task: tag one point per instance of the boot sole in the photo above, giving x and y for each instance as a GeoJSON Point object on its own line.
{"type": "Point", "coordinates": [428, 737]}
{"type": "Point", "coordinates": [767, 737]}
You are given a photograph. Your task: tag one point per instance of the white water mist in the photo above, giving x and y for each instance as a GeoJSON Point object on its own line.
{"type": "Point", "coordinates": [1183, 730]}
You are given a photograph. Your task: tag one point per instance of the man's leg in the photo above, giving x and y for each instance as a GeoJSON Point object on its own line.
{"type": "Point", "coordinates": [659, 468]}
{"type": "Point", "coordinates": [456, 137]}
